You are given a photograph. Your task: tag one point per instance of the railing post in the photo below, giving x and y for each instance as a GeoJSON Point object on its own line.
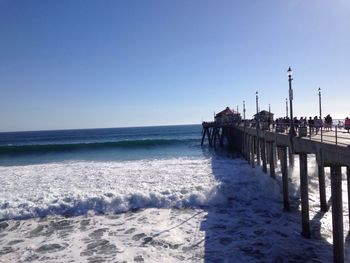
{"type": "Point", "coordinates": [336, 135]}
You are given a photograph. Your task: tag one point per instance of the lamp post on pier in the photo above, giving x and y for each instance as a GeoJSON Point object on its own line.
{"type": "Point", "coordinates": [291, 130]}
{"type": "Point", "coordinates": [319, 102]}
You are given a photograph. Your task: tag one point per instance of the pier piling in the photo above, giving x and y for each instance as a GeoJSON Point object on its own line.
{"type": "Point", "coordinates": [337, 214]}
{"type": "Point", "coordinates": [304, 192]}
{"type": "Point", "coordinates": [252, 151]}
{"type": "Point", "coordinates": [283, 156]}
{"type": "Point", "coordinates": [272, 160]}
{"type": "Point", "coordinates": [348, 186]}
{"type": "Point", "coordinates": [322, 188]}
{"type": "Point", "coordinates": [263, 155]}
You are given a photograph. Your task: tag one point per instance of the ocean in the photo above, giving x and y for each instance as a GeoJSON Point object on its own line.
{"type": "Point", "coordinates": [149, 194]}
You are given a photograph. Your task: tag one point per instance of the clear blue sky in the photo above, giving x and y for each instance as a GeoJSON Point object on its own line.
{"type": "Point", "coordinates": [80, 64]}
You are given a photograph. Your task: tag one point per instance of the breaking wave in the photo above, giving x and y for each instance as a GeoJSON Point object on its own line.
{"type": "Point", "coordinates": [75, 206]}
{"type": "Point", "coordinates": [81, 187]}
{"type": "Point", "coordinates": [43, 148]}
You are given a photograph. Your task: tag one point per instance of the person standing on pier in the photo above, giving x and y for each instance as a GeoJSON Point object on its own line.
{"type": "Point", "coordinates": [311, 125]}
{"type": "Point", "coordinates": [347, 124]}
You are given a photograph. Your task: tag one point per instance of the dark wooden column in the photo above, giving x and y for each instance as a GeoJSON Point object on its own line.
{"type": "Point", "coordinates": [263, 155]}
{"type": "Point", "coordinates": [284, 168]}
{"type": "Point", "coordinates": [348, 184]}
{"type": "Point", "coordinates": [248, 148]}
{"type": "Point", "coordinates": [337, 214]}
{"type": "Point", "coordinates": [257, 143]}
{"type": "Point", "coordinates": [252, 161]}
{"type": "Point", "coordinates": [304, 192]}
{"type": "Point", "coordinates": [291, 157]}
{"type": "Point", "coordinates": [271, 159]}
{"type": "Point", "coordinates": [322, 188]}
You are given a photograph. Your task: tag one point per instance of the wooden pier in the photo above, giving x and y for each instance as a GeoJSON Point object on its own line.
{"type": "Point", "coordinates": [260, 147]}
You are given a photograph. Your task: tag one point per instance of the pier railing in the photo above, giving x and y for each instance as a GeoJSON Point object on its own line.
{"type": "Point", "coordinates": [332, 134]}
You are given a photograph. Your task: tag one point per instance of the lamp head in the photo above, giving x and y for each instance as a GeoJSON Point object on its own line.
{"type": "Point", "coordinates": [290, 72]}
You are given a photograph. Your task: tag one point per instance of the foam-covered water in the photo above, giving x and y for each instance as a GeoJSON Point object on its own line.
{"type": "Point", "coordinates": [160, 198]}
{"type": "Point", "coordinates": [79, 187]}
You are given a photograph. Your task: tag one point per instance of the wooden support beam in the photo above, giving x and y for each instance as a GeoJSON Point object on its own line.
{"type": "Point", "coordinates": [243, 145]}
{"type": "Point", "coordinates": [204, 132]}
{"type": "Point", "coordinates": [322, 188]}
{"type": "Point", "coordinates": [215, 135]}
{"type": "Point", "coordinates": [337, 214]}
{"type": "Point", "coordinates": [284, 168]}
{"type": "Point", "coordinates": [263, 155]}
{"type": "Point", "coordinates": [257, 145]}
{"type": "Point", "coordinates": [241, 134]}
{"type": "Point", "coordinates": [248, 148]}
{"type": "Point", "coordinates": [291, 157]}
{"type": "Point", "coordinates": [304, 192]}
{"type": "Point", "coordinates": [275, 152]}
{"type": "Point", "coordinates": [348, 185]}
{"type": "Point", "coordinates": [252, 151]}
{"type": "Point", "coordinates": [271, 160]}
{"type": "Point", "coordinates": [210, 137]}
{"type": "Point", "coordinates": [223, 133]}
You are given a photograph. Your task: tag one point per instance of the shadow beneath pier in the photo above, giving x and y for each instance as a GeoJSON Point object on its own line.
{"type": "Point", "coordinates": [316, 223]}
{"type": "Point", "coordinates": [245, 221]}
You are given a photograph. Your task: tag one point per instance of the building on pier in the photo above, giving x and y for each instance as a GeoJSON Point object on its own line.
{"type": "Point", "coordinates": [227, 116]}
{"type": "Point", "coordinates": [264, 116]}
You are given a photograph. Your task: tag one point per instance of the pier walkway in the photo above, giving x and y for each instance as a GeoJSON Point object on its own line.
{"type": "Point", "coordinates": [261, 144]}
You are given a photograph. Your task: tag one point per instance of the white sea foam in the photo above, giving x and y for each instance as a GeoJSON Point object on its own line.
{"type": "Point", "coordinates": [240, 218]}
{"type": "Point", "coordinates": [76, 188]}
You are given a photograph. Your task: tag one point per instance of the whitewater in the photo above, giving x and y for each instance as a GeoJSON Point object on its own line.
{"type": "Point", "coordinates": [160, 202]}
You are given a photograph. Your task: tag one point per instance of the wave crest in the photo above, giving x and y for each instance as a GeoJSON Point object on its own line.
{"type": "Point", "coordinates": [104, 204]}
{"type": "Point", "coordinates": [35, 148]}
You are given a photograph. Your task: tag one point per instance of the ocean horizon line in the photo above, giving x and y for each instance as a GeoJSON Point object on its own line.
{"type": "Point", "coordinates": [101, 128]}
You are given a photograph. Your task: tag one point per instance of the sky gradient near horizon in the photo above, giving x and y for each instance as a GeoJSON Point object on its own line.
{"type": "Point", "coordinates": [88, 64]}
